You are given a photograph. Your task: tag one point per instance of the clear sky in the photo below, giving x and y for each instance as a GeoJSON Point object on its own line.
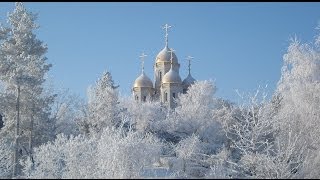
{"type": "Point", "coordinates": [239, 45]}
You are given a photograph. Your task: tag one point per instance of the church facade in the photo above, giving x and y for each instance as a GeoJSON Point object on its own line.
{"type": "Point", "coordinates": [167, 84]}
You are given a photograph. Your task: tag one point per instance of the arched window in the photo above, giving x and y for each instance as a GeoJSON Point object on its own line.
{"type": "Point", "coordinates": [144, 98]}
{"type": "Point", "coordinates": [166, 97]}
{"type": "Point", "coordinates": [160, 75]}
{"type": "Point", "coordinates": [137, 98]}
{"type": "Point", "coordinates": [1, 121]}
{"type": "Point", "coordinates": [174, 95]}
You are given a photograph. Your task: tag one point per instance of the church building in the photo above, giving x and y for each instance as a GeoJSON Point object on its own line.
{"type": "Point", "coordinates": [167, 83]}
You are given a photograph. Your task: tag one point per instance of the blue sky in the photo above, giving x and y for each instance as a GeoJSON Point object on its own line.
{"type": "Point", "coordinates": [239, 45]}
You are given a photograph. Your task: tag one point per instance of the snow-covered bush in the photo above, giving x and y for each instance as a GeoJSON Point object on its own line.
{"type": "Point", "coordinates": [145, 117]}
{"type": "Point", "coordinates": [113, 154]}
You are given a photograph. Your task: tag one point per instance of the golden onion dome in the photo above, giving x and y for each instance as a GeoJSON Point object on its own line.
{"type": "Point", "coordinates": [143, 81]}
{"type": "Point", "coordinates": [165, 56]}
{"type": "Point", "coordinates": [171, 77]}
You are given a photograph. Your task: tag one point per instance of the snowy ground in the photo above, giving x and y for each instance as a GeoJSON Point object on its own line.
{"type": "Point", "coordinates": [167, 168]}
{"type": "Point", "coordinates": [157, 172]}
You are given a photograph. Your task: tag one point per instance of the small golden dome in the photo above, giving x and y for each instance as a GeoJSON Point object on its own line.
{"type": "Point", "coordinates": [143, 81]}
{"type": "Point", "coordinates": [171, 77]}
{"type": "Point", "coordinates": [165, 56]}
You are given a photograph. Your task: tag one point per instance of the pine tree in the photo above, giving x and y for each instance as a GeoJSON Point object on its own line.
{"type": "Point", "coordinates": [103, 104]}
{"type": "Point", "coordinates": [23, 68]}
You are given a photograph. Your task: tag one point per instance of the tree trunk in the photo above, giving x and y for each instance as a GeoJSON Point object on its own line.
{"type": "Point", "coordinates": [184, 165]}
{"type": "Point", "coordinates": [31, 131]}
{"type": "Point", "coordinates": [16, 144]}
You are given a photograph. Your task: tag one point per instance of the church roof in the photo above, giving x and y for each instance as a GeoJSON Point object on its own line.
{"type": "Point", "coordinates": [164, 56]}
{"type": "Point", "coordinates": [171, 77]}
{"type": "Point", "coordinates": [188, 80]}
{"type": "Point", "coordinates": [143, 81]}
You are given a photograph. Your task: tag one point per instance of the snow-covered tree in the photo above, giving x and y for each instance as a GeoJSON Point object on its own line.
{"type": "Point", "coordinates": [298, 113]}
{"type": "Point", "coordinates": [194, 114]}
{"type": "Point", "coordinates": [114, 154]}
{"type": "Point", "coordinates": [6, 156]}
{"type": "Point", "coordinates": [64, 158]}
{"type": "Point", "coordinates": [194, 108]}
{"type": "Point", "coordinates": [280, 138]}
{"type": "Point", "coordinates": [22, 70]}
{"type": "Point", "coordinates": [129, 155]}
{"type": "Point", "coordinates": [145, 117]}
{"type": "Point", "coordinates": [193, 121]}
{"type": "Point", "coordinates": [188, 150]}
{"type": "Point", "coordinates": [247, 126]}
{"type": "Point", "coordinates": [220, 165]}
{"type": "Point", "coordinates": [103, 104]}
{"type": "Point", "coordinates": [66, 111]}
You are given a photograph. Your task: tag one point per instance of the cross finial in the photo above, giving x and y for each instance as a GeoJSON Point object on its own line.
{"type": "Point", "coordinates": [166, 27]}
{"type": "Point", "coordinates": [171, 58]}
{"type": "Point", "coordinates": [189, 58]}
{"type": "Point", "coordinates": [142, 61]}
